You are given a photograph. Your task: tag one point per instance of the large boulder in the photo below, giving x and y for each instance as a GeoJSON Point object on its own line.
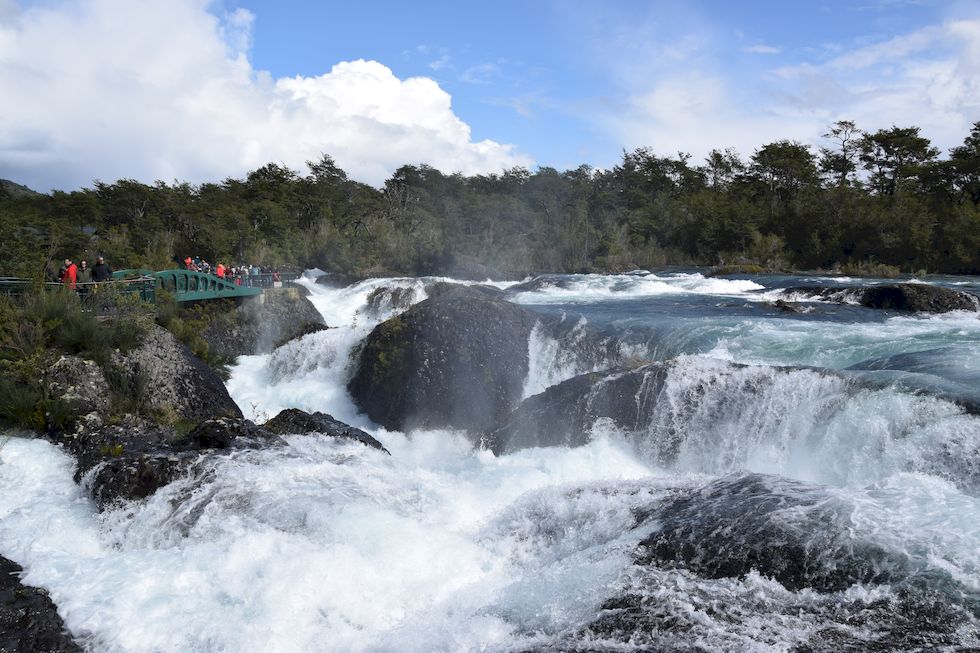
{"type": "Point", "coordinates": [457, 359]}
{"type": "Point", "coordinates": [129, 460]}
{"type": "Point", "coordinates": [260, 324]}
{"type": "Point", "coordinates": [78, 382]}
{"type": "Point", "coordinates": [909, 297]}
{"type": "Point", "coordinates": [388, 300]}
{"type": "Point", "coordinates": [170, 378]}
{"type": "Point", "coordinates": [29, 620]}
{"type": "Point", "coordinates": [133, 459]}
{"type": "Point", "coordinates": [804, 537]}
{"type": "Point", "coordinates": [563, 414]}
{"type": "Point", "coordinates": [296, 421]}
{"type": "Point", "coordinates": [793, 532]}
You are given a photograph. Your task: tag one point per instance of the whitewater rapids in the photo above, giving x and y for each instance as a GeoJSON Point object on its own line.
{"type": "Point", "coordinates": [325, 545]}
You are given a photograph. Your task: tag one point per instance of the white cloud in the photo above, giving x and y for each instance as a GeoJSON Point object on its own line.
{"type": "Point", "coordinates": [761, 48]}
{"type": "Point", "coordinates": [928, 78]}
{"type": "Point", "coordinates": [163, 89]}
{"type": "Point", "coordinates": [480, 74]}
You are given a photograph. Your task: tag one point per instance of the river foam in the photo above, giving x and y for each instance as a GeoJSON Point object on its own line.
{"type": "Point", "coordinates": [325, 545]}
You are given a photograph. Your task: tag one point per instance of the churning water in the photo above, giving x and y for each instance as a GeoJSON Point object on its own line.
{"type": "Point", "coordinates": [799, 481]}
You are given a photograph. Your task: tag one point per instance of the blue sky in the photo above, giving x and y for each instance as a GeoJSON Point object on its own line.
{"type": "Point", "coordinates": [197, 90]}
{"type": "Point", "coordinates": [530, 72]}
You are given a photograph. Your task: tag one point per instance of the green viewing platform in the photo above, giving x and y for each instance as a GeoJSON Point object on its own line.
{"type": "Point", "coordinates": [191, 286]}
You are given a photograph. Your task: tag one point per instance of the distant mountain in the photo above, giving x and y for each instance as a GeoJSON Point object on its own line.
{"type": "Point", "coordinates": [16, 190]}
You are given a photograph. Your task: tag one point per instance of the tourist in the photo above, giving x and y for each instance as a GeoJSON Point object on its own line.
{"type": "Point", "coordinates": [84, 277]}
{"type": "Point", "coordinates": [69, 274]}
{"type": "Point", "coordinates": [219, 271]}
{"type": "Point", "coordinates": [101, 271]}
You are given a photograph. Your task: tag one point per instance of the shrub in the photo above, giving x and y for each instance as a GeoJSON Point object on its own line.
{"type": "Point", "coordinates": [870, 269]}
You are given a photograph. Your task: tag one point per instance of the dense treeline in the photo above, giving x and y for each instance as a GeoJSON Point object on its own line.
{"type": "Point", "coordinates": [884, 197]}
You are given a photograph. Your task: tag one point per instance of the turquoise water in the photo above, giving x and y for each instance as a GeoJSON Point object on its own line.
{"type": "Point", "coordinates": [838, 436]}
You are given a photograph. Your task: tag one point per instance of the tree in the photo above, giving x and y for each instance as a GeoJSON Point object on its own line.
{"type": "Point", "coordinates": [840, 164]}
{"type": "Point", "coordinates": [895, 157]}
{"type": "Point", "coordinates": [965, 164]}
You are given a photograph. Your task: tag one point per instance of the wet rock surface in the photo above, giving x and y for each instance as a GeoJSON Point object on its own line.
{"type": "Point", "coordinates": [337, 279]}
{"type": "Point", "coordinates": [909, 297]}
{"type": "Point", "coordinates": [260, 324]}
{"type": "Point", "coordinates": [541, 283]}
{"type": "Point", "coordinates": [134, 458]}
{"type": "Point", "coordinates": [29, 620]}
{"type": "Point", "coordinates": [390, 299]}
{"type": "Point", "coordinates": [293, 420]}
{"type": "Point", "coordinates": [792, 532]}
{"type": "Point", "coordinates": [689, 588]}
{"type": "Point", "coordinates": [457, 359]}
{"type": "Point", "coordinates": [563, 414]}
{"type": "Point", "coordinates": [78, 382]}
{"type": "Point", "coordinates": [171, 378]}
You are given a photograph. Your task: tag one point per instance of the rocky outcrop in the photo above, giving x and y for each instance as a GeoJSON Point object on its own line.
{"type": "Point", "coordinates": [78, 382]}
{"type": "Point", "coordinates": [125, 461]}
{"type": "Point", "coordinates": [563, 414]}
{"type": "Point", "coordinates": [29, 621]}
{"type": "Point", "coordinates": [541, 283]}
{"type": "Point", "coordinates": [337, 279]}
{"type": "Point", "coordinates": [457, 359]}
{"type": "Point", "coordinates": [909, 297]}
{"type": "Point", "coordinates": [170, 378]}
{"type": "Point", "coordinates": [786, 530]}
{"type": "Point", "coordinates": [293, 420]}
{"type": "Point", "coordinates": [390, 299]}
{"type": "Point", "coordinates": [133, 459]}
{"type": "Point", "coordinates": [260, 324]}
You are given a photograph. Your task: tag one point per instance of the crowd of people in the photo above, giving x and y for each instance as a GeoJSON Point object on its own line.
{"type": "Point", "coordinates": [242, 275]}
{"type": "Point", "coordinates": [80, 276]}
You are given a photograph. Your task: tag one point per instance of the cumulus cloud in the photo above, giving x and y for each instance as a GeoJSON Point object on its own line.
{"type": "Point", "coordinates": [164, 89]}
{"type": "Point", "coordinates": [928, 78]}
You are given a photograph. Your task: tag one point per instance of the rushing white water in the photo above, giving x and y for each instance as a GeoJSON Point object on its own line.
{"type": "Point", "coordinates": [323, 545]}
{"type": "Point", "coordinates": [591, 287]}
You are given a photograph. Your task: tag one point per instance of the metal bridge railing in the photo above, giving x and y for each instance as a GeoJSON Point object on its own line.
{"type": "Point", "coordinates": [186, 285]}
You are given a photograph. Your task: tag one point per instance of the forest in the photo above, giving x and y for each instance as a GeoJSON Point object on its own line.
{"type": "Point", "coordinates": [885, 198]}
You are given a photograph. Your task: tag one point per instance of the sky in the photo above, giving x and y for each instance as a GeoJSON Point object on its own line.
{"type": "Point", "coordinates": [196, 91]}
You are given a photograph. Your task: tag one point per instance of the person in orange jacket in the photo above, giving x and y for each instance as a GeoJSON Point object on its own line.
{"type": "Point", "coordinates": [69, 274]}
{"type": "Point", "coordinates": [219, 271]}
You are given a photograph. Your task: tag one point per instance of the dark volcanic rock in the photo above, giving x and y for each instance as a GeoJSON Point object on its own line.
{"type": "Point", "coordinates": [133, 459]}
{"type": "Point", "coordinates": [261, 323]}
{"type": "Point", "coordinates": [29, 621]}
{"type": "Point", "coordinates": [304, 329]}
{"type": "Point", "coordinates": [337, 280]}
{"type": "Point", "coordinates": [174, 379]}
{"type": "Point", "coordinates": [390, 299]}
{"type": "Point", "coordinates": [787, 530]}
{"type": "Point", "coordinates": [224, 432]}
{"type": "Point", "coordinates": [787, 307]}
{"type": "Point", "coordinates": [126, 461]}
{"type": "Point", "coordinates": [911, 297]}
{"type": "Point", "coordinates": [457, 359]}
{"type": "Point", "coordinates": [539, 283]}
{"type": "Point", "coordinates": [563, 414]}
{"type": "Point", "coordinates": [293, 420]}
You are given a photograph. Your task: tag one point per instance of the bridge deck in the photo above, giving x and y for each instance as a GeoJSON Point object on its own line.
{"type": "Point", "coordinates": [191, 286]}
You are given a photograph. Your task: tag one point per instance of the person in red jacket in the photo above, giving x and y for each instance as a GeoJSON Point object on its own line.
{"type": "Point", "coordinates": [69, 276]}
